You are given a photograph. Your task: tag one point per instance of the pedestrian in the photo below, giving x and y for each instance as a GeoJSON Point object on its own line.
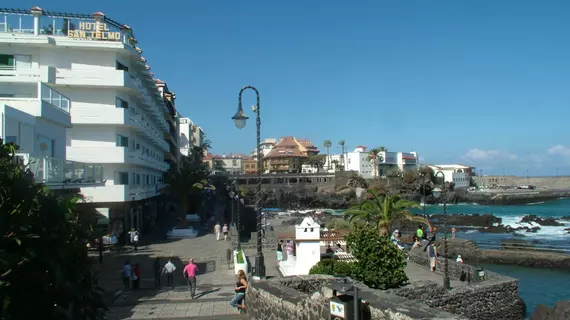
{"type": "Point", "coordinates": [169, 269]}
{"type": "Point", "coordinates": [127, 274]}
{"type": "Point", "coordinates": [289, 250]}
{"type": "Point", "coordinates": [225, 231]}
{"type": "Point", "coordinates": [240, 287]}
{"type": "Point", "coordinates": [432, 255]}
{"type": "Point", "coordinates": [279, 251]}
{"type": "Point", "coordinates": [156, 267]}
{"type": "Point", "coordinates": [137, 276]}
{"type": "Point", "coordinates": [131, 234]}
{"type": "Point", "coordinates": [420, 232]}
{"type": "Point", "coordinates": [217, 231]}
{"type": "Point", "coordinates": [136, 240]}
{"type": "Point", "coordinates": [190, 275]}
{"type": "Point", "coordinates": [453, 231]}
{"type": "Point", "coordinates": [339, 248]}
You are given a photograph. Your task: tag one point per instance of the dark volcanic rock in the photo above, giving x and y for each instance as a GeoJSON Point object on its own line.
{"type": "Point", "coordinates": [545, 222]}
{"type": "Point", "coordinates": [561, 310]}
{"type": "Point", "coordinates": [508, 229]}
{"type": "Point", "coordinates": [565, 218]}
{"type": "Point", "coordinates": [476, 220]}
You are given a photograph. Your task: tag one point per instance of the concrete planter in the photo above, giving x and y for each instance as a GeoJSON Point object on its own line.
{"type": "Point", "coordinates": [239, 266]}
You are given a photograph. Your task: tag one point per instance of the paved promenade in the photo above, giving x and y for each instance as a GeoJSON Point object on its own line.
{"type": "Point", "coordinates": [215, 282]}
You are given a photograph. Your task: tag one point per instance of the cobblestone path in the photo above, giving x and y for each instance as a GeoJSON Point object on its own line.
{"type": "Point", "coordinates": [215, 282]}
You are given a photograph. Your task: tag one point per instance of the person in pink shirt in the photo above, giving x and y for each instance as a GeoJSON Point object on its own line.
{"type": "Point", "coordinates": [190, 275]}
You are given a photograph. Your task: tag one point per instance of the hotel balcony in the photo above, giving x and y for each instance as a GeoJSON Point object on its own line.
{"type": "Point", "coordinates": [62, 174]}
{"type": "Point", "coordinates": [46, 103]}
{"type": "Point", "coordinates": [115, 155]}
{"type": "Point", "coordinates": [19, 74]}
{"type": "Point", "coordinates": [119, 193]}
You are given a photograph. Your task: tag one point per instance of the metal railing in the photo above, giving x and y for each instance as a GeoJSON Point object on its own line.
{"type": "Point", "coordinates": [54, 171]}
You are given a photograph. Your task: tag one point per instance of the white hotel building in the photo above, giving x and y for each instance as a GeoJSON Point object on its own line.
{"type": "Point", "coordinates": [357, 160]}
{"type": "Point", "coordinates": [76, 88]}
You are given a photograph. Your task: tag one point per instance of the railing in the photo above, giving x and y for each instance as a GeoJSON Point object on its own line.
{"type": "Point", "coordinates": [53, 171]}
{"type": "Point", "coordinates": [54, 98]}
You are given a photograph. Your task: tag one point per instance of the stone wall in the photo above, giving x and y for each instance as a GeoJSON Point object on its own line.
{"type": "Point", "coordinates": [539, 182]}
{"type": "Point", "coordinates": [496, 297]}
{"type": "Point", "coordinates": [307, 298]}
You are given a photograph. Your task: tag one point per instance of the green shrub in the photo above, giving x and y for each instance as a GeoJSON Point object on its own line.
{"type": "Point", "coordinates": [240, 258]}
{"type": "Point", "coordinates": [332, 267]}
{"type": "Point", "coordinates": [380, 264]}
{"type": "Point", "coordinates": [339, 224]}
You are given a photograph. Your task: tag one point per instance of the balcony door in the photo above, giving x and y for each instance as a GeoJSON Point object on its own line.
{"type": "Point", "coordinates": [23, 61]}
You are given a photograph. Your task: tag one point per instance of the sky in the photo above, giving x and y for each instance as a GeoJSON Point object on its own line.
{"type": "Point", "coordinates": [483, 83]}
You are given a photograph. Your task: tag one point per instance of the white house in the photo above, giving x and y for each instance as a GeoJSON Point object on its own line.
{"type": "Point", "coordinates": [266, 146]}
{"type": "Point", "coordinates": [119, 116]}
{"type": "Point", "coordinates": [308, 249]}
{"type": "Point", "coordinates": [186, 140]}
{"type": "Point", "coordinates": [459, 174]}
{"type": "Point", "coordinates": [357, 160]}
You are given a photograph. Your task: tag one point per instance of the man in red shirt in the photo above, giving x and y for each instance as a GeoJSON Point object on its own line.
{"type": "Point", "coordinates": [190, 275]}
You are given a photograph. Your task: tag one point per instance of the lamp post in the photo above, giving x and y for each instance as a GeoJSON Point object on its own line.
{"type": "Point", "coordinates": [440, 193]}
{"type": "Point", "coordinates": [424, 194]}
{"type": "Point", "coordinates": [240, 119]}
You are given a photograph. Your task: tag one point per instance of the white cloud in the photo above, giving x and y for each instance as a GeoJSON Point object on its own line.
{"type": "Point", "coordinates": [559, 150]}
{"type": "Point", "coordinates": [478, 155]}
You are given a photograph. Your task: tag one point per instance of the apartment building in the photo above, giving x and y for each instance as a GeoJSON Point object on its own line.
{"type": "Point", "coordinates": [357, 160]}
{"type": "Point", "coordinates": [266, 146]}
{"type": "Point", "coordinates": [288, 155]}
{"type": "Point", "coordinates": [94, 101]}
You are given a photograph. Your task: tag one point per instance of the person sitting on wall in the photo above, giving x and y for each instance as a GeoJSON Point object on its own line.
{"type": "Point", "coordinates": [329, 249]}
{"type": "Point", "coordinates": [339, 248]}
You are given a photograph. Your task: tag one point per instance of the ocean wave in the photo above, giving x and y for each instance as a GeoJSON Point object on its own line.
{"type": "Point", "coordinates": [534, 203]}
{"type": "Point", "coordinates": [550, 232]}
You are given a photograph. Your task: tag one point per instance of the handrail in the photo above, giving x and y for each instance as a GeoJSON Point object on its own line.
{"type": "Point", "coordinates": [55, 98]}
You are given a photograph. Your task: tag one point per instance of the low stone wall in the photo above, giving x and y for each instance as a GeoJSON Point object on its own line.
{"type": "Point", "coordinates": [307, 298]}
{"type": "Point", "coordinates": [496, 297]}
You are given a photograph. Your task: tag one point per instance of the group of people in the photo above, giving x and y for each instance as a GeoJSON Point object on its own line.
{"type": "Point", "coordinates": [218, 229]}
{"type": "Point", "coordinates": [131, 275]}
{"type": "Point", "coordinates": [289, 249]}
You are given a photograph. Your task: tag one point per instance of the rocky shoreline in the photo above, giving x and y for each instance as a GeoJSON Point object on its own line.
{"type": "Point", "coordinates": [315, 197]}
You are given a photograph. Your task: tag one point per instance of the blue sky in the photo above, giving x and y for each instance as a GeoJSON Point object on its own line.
{"type": "Point", "coordinates": [481, 82]}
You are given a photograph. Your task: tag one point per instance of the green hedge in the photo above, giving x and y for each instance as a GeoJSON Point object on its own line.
{"type": "Point", "coordinates": [240, 257]}
{"type": "Point", "coordinates": [333, 267]}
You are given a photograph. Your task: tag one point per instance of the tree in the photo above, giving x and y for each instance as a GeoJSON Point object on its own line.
{"type": "Point", "coordinates": [45, 272]}
{"type": "Point", "coordinates": [317, 161]}
{"type": "Point", "coordinates": [394, 173]}
{"type": "Point", "coordinates": [190, 180]}
{"type": "Point", "coordinates": [333, 267]}
{"type": "Point", "coordinates": [341, 143]}
{"type": "Point", "coordinates": [382, 211]}
{"type": "Point", "coordinates": [67, 26]}
{"type": "Point", "coordinates": [328, 145]}
{"type": "Point", "coordinates": [380, 264]}
{"type": "Point", "coordinates": [375, 157]}
{"type": "Point", "coordinates": [47, 29]}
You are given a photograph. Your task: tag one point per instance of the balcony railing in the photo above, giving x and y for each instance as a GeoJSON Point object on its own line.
{"type": "Point", "coordinates": [54, 98]}
{"type": "Point", "coordinates": [53, 171]}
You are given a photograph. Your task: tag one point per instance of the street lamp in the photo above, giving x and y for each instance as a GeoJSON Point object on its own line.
{"type": "Point", "coordinates": [424, 194]}
{"type": "Point", "coordinates": [437, 193]}
{"type": "Point", "coordinates": [240, 119]}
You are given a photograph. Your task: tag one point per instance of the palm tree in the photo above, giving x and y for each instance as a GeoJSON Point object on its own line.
{"type": "Point", "coordinates": [341, 143]}
{"type": "Point", "coordinates": [383, 149]}
{"type": "Point", "coordinates": [191, 179]}
{"type": "Point", "coordinates": [382, 211]}
{"type": "Point", "coordinates": [375, 157]}
{"type": "Point", "coordinates": [328, 145]}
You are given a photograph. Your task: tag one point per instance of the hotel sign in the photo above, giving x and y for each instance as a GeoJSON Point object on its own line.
{"type": "Point", "coordinates": [94, 31]}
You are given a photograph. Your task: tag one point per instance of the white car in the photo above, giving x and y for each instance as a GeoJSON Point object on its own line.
{"type": "Point", "coordinates": [182, 233]}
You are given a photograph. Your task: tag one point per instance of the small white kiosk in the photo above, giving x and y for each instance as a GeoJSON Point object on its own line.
{"type": "Point", "coordinates": [308, 249]}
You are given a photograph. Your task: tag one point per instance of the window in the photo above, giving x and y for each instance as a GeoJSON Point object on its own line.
{"type": "Point", "coordinates": [122, 141]}
{"type": "Point", "coordinates": [147, 179]}
{"type": "Point", "coordinates": [138, 181]}
{"type": "Point", "coordinates": [121, 66]}
{"type": "Point", "coordinates": [7, 62]}
{"type": "Point", "coordinates": [120, 103]}
{"type": "Point", "coordinates": [122, 178]}
{"type": "Point", "coordinates": [234, 162]}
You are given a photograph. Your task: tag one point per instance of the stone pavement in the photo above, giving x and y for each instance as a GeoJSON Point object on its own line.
{"type": "Point", "coordinates": [418, 273]}
{"type": "Point", "coordinates": [215, 282]}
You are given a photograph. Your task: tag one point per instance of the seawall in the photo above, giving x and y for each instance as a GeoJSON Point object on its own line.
{"type": "Point", "coordinates": [495, 297]}
{"type": "Point", "coordinates": [307, 298]}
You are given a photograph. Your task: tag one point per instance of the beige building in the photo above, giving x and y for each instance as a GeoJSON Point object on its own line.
{"type": "Point", "coordinates": [288, 155]}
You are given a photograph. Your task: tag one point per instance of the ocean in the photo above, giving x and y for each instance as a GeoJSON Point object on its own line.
{"type": "Point", "coordinates": [536, 286]}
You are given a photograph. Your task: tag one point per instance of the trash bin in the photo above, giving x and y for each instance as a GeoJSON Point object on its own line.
{"type": "Point", "coordinates": [480, 273]}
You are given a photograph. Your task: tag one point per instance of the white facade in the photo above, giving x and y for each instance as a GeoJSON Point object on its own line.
{"type": "Point", "coordinates": [357, 160]}
{"type": "Point", "coordinates": [117, 116]}
{"type": "Point", "coordinates": [308, 249]}
{"type": "Point", "coordinates": [228, 164]}
{"type": "Point", "coordinates": [186, 142]}
{"type": "Point", "coordinates": [266, 146]}
{"type": "Point", "coordinates": [459, 174]}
